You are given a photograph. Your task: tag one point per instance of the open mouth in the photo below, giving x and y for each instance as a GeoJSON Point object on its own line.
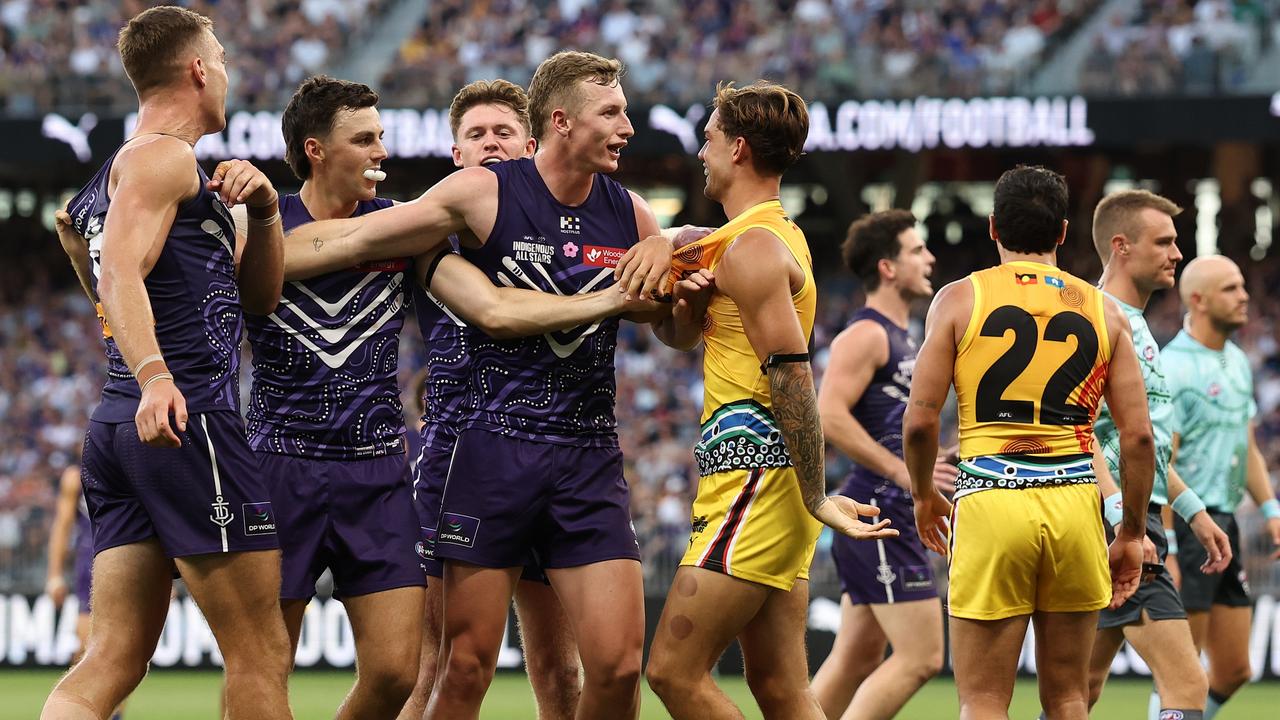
{"type": "Point", "coordinates": [615, 151]}
{"type": "Point", "coordinates": [492, 160]}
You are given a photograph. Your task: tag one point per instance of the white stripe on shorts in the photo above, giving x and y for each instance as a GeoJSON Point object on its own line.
{"type": "Point", "coordinates": [217, 479]}
{"type": "Point", "coordinates": [886, 579]}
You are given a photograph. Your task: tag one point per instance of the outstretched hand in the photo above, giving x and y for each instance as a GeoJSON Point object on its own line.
{"type": "Point", "coordinates": [643, 270]}
{"type": "Point", "coordinates": [842, 515]}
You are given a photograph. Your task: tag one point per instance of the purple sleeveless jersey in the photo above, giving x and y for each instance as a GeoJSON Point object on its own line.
{"type": "Point", "coordinates": [445, 336]}
{"type": "Point", "coordinates": [558, 387]}
{"type": "Point", "coordinates": [324, 363]}
{"type": "Point", "coordinates": [881, 406]}
{"type": "Point", "coordinates": [194, 299]}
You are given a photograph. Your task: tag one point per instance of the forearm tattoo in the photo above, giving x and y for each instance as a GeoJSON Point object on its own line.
{"type": "Point", "coordinates": [795, 407]}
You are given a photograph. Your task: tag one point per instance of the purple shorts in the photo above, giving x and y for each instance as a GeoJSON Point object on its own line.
{"type": "Point", "coordinates": [196, 499]}
{"type": "Point", "coordinates": [429, 473]}
{"type": "Point", "coordinates": [504, 498]}
{"type": "Point", "coordinates": [354, 517]}
{"type": "Point", "coordinates": [885, 571]}
{"type": "Point", "coordinates": [84, 568]}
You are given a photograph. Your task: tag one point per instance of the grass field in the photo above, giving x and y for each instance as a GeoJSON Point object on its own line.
{"type": "Point", "coordinates": [192, 696]}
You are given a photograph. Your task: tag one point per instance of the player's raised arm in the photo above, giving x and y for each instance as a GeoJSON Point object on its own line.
{"type": "Point", "coordinates": [644, 268]}
{"type": "Point", "coordinates": [921, 421]}
{"type": "Point", "coordinates": [757, 274]}
{"type": "Point", "coordinates": [504, 312]}
{"type": "Point", "coordinates": [156, 175]}
{"type": "Point", "coordinates": [260, 262]}
{"type": "Point", "coordinates": [465, 200]}
{"type": "Point", "coordinates": [77, 250]}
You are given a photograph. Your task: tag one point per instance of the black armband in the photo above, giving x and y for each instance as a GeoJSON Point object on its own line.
{"type": "Point", "coordinates": [431, 269]}
{"type": "Point", "coordinates": [777, 359]}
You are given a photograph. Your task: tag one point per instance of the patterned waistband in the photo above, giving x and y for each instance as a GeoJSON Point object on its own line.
{"type": "Point", "coordinates": [1020, 472]}
{"type": "Point", "coordinates": [740, 435]}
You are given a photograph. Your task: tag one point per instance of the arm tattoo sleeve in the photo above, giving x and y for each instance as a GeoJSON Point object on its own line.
{"type": "Point", "coordinates": [795, 407]}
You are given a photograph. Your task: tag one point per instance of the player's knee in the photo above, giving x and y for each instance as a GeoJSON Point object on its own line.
{"type": "Point", "coordinates": [468, 672]}
{"type": "Point", "coordinates": [927, 666]}
{"type": "Point", "coordinates": [615, 673]}
{"type": "Point", "coordinates": [1233, 676]}
{"type": "Point", "coordinates": [773, 689]}
{"type": "Point", "coordinates": [666, 682]}
{"type": "Point", "coordinates": [556, 675]}
{"type": "Point", "coordinates": [392, 683]}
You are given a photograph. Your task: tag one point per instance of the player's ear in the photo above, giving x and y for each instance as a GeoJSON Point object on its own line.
{"type": "Point", "coordinates": [457, 156]}
{"type": "Point", "coordinates": [1119, 246]}
{"type": "Point", "coordinates": [314, 150]}
{"type": "Point", "coordinates": [1063, 236]}
{"type": "Point", "coordinates": [198, 72]}
{"type": "Point", "coordinates": [991, 227]}
{"type": "Point", "coordinates": [560, 121]}
{"type": "Point", "coordinates": [741, 150]}
{"type": "Point", "coordinates": [530, 147]}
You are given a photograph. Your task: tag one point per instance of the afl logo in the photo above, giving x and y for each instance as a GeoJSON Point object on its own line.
{"type": "Point", "coordinates": [689, 255]}
{"type": "Point", "coordinates": [1071, 297]}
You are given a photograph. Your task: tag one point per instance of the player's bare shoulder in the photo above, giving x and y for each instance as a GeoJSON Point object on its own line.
{"type": "Point", "coordinates": [158, 161]}
{"type": "Point", "coordinates": [864, 339]}
{"type": "Point", "coordinates": [756, 256]}
{"type": "Point", "coordinates": [952, 304]}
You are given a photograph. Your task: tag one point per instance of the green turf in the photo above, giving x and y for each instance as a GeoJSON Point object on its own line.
{"type": "Point", "coordinates": [193, 696]}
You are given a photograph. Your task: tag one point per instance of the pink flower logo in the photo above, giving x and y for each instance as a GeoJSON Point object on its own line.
{"type": "Point", "coordinates": [570, 250]}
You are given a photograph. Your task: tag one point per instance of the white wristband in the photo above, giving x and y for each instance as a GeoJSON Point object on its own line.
{"type": "Point", "coordinates": [157, 376]}
{"type": "Point", "coordinates": [264, 222]}
{"type": "Point", "coordinates": [147, 361]}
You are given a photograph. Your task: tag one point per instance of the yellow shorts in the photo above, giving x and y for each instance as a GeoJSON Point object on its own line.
{"type": "Point", "coordinates": [1017, 551]}
{"type": "Point", "coordinates": [752, 524]}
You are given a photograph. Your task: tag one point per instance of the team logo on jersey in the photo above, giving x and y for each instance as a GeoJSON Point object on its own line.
{"type": "Point", "coordinates": [1055, 282]}
{"type": "Point", "coordinates": [533, 250]}
{"type": "Point", "coordinates": [1214, 390]}
{"type": "Point", "coordinates": [1149, 353]}
{"type": "Point", "coordinates": [458, 529]}
{"type": "Point", "coordinates": [1171, 715]}
{"type": "Point", "coordinates": [600, 256]}
{"type": "Point", "coordinates": [1025, 278]}
{"type": "Point", "coordinates": [569, 249]}
{"type": "Point", "coordinates": [222, 515]}
{"type": "Point", "coordinates": [885, 575]}
{"type": "Point", "coordinates": [258, 518]}
{"type": "Point", "coordinates": [1071, 297]}
{"type": "Point", "coordinates": [570, 225]}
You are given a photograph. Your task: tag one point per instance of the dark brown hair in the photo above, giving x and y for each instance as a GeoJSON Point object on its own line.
{"type": "Point", "coordinates": [873, 238]}
{"type": "Point", "coordinates": [772, 119]}
{"type": "Point", "coordinates": [489, 92]}
{"type": "Point", "coordinates": [311, 114]}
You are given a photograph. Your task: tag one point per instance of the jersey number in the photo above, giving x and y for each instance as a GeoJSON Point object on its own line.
{"type": "Point", "coordinates": [990, 404]}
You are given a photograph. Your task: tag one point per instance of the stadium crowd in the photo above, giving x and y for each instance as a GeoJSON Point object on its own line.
{"type": "Point", "coordinates": [822, 48]}
{"type": "Point", "coordinates": [51, 372]}
{"type": "Point", "coordinates": [1194, 47]}
{"type": "Point", "coordinates": [62, 56]}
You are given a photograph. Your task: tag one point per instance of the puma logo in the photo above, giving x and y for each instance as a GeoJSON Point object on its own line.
{"type": "Point", "coordinates": [56, 127]}
{"type": "Point", "coordinates": [684, 127]}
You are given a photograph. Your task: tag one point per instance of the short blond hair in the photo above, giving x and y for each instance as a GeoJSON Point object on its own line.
{"type": "Point", "coordinates": [772, 119]}
{"type": "Point", "coordinates": [555, 84]}
{"type": "Point", "coordinates": [152, 43]}
{"type": "Point", "coordinates": [1116, 214]}
{"type": "Point", "coordinates": [489, 92]}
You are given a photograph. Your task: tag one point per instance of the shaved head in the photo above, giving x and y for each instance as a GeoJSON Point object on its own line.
{"type": "Point", "coordinates": [1213, 291]}
{"type": "Point", "coordinates": [1204, 273]}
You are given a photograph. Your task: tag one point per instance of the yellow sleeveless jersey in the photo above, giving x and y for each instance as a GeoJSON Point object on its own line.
{"type": "Point", "coordinates": [738, 428]}
{"type": "Point", "coordinates": [1032, 363]}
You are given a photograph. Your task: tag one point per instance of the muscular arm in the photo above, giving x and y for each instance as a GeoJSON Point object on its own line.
{"type": "Point", "coordinates": [756, 274]}
{"type": "Point", "coordinates": [856, 355]}
{"type": "Point", "coordinates": [466, 200]}
{"type": "Point", "coordinates": [64, 516]}
{"type": "Point", "coordinates": [930, 382]}
{"type": "Point", "coordinates": [77, 250]}
{"type": "Point", "coordinates": [155, 176]}
{"type": "Point", "coordinates": [505, 312]}
{"type": "Point", "coordinates": [1126, 396]}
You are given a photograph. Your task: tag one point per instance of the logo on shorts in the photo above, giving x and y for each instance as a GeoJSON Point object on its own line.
{"type": "Point", "coordinates": [699, 524]}
{"type": "Point", "coordinates": [426, 547]}
{"type": "Point", "coordinates": [884, 574]}
{"type": "Point", "coordinates": [222, 515]}
{"type": "Point", "coordinates": [1171, 715]}
{"type": "Point", "coordinates": [916, 577]}
{"type": "Point", "coordinates": [258, 518]}
{"type": "Point", "coordinates": [458, 529]}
